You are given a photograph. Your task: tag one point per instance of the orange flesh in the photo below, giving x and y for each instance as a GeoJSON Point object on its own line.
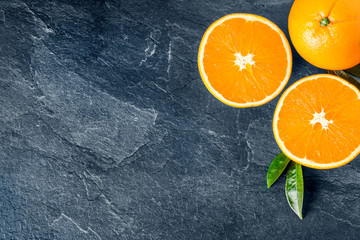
{"type": "Point", "coordinates": [255, 82]}
{"type": "Point", "coordinates": [303, 139]}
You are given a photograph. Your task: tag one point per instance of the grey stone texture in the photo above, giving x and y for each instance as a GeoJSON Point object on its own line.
{"type": "Point", "coordinates": [107, 131]}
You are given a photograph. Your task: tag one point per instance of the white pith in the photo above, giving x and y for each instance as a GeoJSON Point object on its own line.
{"type": "Point", "coordinates": [242, 61]}
{"type": "Point", "coordinates": [320, 118]}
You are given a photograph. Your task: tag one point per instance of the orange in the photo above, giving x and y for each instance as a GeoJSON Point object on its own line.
{"type": "Point", "coordinates": [326, 33]}
{"type": "Point", "coordinates": [317, 122]}
{"type": "Point", "coordinates": [244, 60]}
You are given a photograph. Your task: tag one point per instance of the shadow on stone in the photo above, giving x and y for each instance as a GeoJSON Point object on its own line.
{"type": "Point", "coordinates": [311, 189]}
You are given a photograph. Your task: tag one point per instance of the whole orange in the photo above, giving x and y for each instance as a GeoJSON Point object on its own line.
{"type": "Point", "coordinates": [326, 33]}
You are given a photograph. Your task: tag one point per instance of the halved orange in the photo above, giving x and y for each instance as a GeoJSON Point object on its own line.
{"type": "Point", "coordinates": [317, 122]}
{"type": "Point", "coordinates": [244, 60]}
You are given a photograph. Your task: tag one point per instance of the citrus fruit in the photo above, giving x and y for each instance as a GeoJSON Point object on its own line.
{"type": "Point", "coordinates": [326, 33]}
{"type": "Point", "coordinates": [244, 60]}
{"type": "Point", "coordinates": [317, 121]}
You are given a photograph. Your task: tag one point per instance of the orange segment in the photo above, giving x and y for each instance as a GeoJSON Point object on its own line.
{"type": "Point", "coordinates": [317, 122]}
{"type": "Point", "coordinates": [244, 60]}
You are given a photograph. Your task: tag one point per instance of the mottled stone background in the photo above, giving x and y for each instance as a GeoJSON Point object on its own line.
{"type": "Point", "coordinates": [107, 131]}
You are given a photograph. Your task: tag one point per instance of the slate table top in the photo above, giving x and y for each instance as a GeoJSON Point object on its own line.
{"type": "Point", "coordinates": [107, 131]}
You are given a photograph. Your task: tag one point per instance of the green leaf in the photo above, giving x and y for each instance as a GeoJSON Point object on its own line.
{"type": "Point", "coordinates": [354, 71]}
{"type": "Point", "coordinates": [276, 168]}
{"type": "Point", "coordinates": [294, 188]}
{"type": "Point", "coordinates": [345, 76]}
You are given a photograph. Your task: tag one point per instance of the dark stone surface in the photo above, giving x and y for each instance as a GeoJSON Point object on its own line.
{"type": "Point", "coordinates": [107, 131]}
